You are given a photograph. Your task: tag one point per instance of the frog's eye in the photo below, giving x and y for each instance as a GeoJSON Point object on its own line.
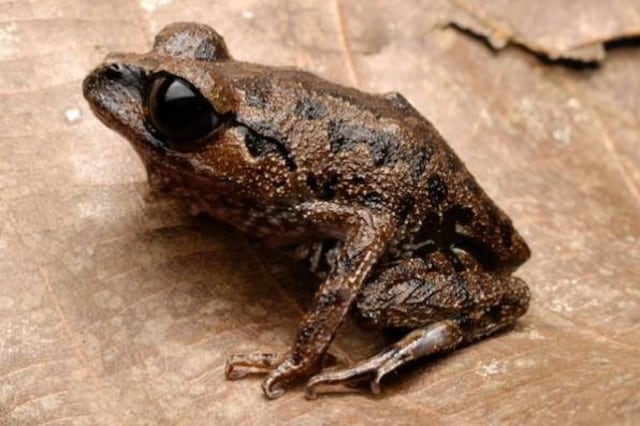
{"type": "Point", "coordinates": [177, 111]}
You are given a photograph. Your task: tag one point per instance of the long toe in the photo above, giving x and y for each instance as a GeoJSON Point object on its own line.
{"type": "Point", "coordinates": [241, 365]}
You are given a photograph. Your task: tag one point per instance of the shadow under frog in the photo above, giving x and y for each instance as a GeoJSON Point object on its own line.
{"type": "Point", "coordinates": [361, 186]}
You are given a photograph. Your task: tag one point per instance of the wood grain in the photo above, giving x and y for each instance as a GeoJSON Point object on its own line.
{"type": "Point", "coordinates": [119, 308]}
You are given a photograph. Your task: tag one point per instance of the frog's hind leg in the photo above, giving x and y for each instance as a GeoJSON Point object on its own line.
{"type": "Point", "coordinates": [444, 309]}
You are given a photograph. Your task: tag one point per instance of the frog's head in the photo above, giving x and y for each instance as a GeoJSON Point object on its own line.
{"type": "Point", "coordinates": [177, 107]}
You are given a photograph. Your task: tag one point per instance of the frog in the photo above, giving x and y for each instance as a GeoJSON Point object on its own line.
{"type": "Point", "coordinates": [361, 187]}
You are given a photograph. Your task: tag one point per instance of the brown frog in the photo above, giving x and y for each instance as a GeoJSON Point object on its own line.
{"type": "Point", "coordinates": [361, 186]}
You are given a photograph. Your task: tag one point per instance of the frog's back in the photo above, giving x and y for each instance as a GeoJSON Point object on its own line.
{"type": "Point", "coordinates": [348, 146]}
{"type": "Point", "coordinates": [377, 151]}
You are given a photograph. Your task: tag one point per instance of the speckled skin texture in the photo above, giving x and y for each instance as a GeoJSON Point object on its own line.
{"type": "Point", "coordinates": [361, 186]}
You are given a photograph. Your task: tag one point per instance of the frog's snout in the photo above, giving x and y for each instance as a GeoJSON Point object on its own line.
{"type": "Point", "coordinates": [113, 77]}
{"type": "Point", "coordinates": [114, 92]}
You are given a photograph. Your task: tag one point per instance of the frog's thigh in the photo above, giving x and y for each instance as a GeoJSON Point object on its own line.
{"type": "Point", "coordinates": [409, 295]}
{"type": "Point", "coordinates": [446, 310]}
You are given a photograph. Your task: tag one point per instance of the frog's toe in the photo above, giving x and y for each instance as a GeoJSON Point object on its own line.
{"type": "Point", "coordinates": [287, 372]}
{"type": "Point", "coordinates": [241, 365]}
{"type": "Point", "coordinates": [371, 370]}
{"type": "Point", "coordinates": [272, 388]}
{"type": "Point", "coordinates": [431, 339]}
{"type": "Point", "coordinates": [336, 380]}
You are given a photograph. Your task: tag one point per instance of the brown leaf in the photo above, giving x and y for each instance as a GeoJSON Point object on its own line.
{"type": "Point", "coordinates": [117, 308]}
{"type": "Point", "coordinates": [574, 29]}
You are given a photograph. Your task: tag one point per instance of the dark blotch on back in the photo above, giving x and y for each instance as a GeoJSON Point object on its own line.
{"type": "Point", "coordinates": [436, 189]}
{"type": "Point", "coordinates": [328, 190]}
{"type": "Point", "coordinates": [257, 92]}
{"type": "Point", "coordinates": [358, 179]}
{"type": "Point", "coordinates": [406, 204]}
{"type": "Point", "coordinates": [310, 109]}
{"type": "Point", "coordinates": [373, 199]}
{"type": "Point", "coordinates": [383, 146]}
{"type": "Point", "coordinates": [323, 187]}
{"type": "Point", "coordinates": [418, 164]}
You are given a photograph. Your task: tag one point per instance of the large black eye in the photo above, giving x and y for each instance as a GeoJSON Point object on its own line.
{"type": "Point", "coordinates": [177, 111]}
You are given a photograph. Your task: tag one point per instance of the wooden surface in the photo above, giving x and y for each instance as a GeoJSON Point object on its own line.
{"type": "Point", "coordinates": [119, 308]}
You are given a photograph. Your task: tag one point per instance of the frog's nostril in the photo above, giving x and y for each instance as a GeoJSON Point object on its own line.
{"type": "Point", "coordinates": [114, 71]}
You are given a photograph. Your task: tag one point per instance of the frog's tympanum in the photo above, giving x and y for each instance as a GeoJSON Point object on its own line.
{"type": "Point", "coordinates": [360, 186]}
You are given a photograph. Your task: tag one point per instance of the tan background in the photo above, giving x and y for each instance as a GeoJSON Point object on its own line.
{"type": "Point", "coordinates": [118, 308]}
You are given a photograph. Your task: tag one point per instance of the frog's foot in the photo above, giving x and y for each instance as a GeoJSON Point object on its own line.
{"type": "Point", "coordinates": [240, 365]}
{"type": "Point", "coordinates": [260, 363]}
{"type": "Point", "coordinates": [438, 337]}
{"type": "Point", "coordinates": [279, 369]}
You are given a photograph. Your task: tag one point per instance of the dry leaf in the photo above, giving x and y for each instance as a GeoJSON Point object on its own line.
{"type": "Point", "coordinates": [117, 308]}
{"type": "Point", "coordinates": [573, 29]}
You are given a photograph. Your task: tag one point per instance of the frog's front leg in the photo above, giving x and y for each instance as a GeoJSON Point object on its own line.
{"type": "Point", "coordinates": [445, 309]}
{"type": "Point", "coordinates": [365, 237]}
